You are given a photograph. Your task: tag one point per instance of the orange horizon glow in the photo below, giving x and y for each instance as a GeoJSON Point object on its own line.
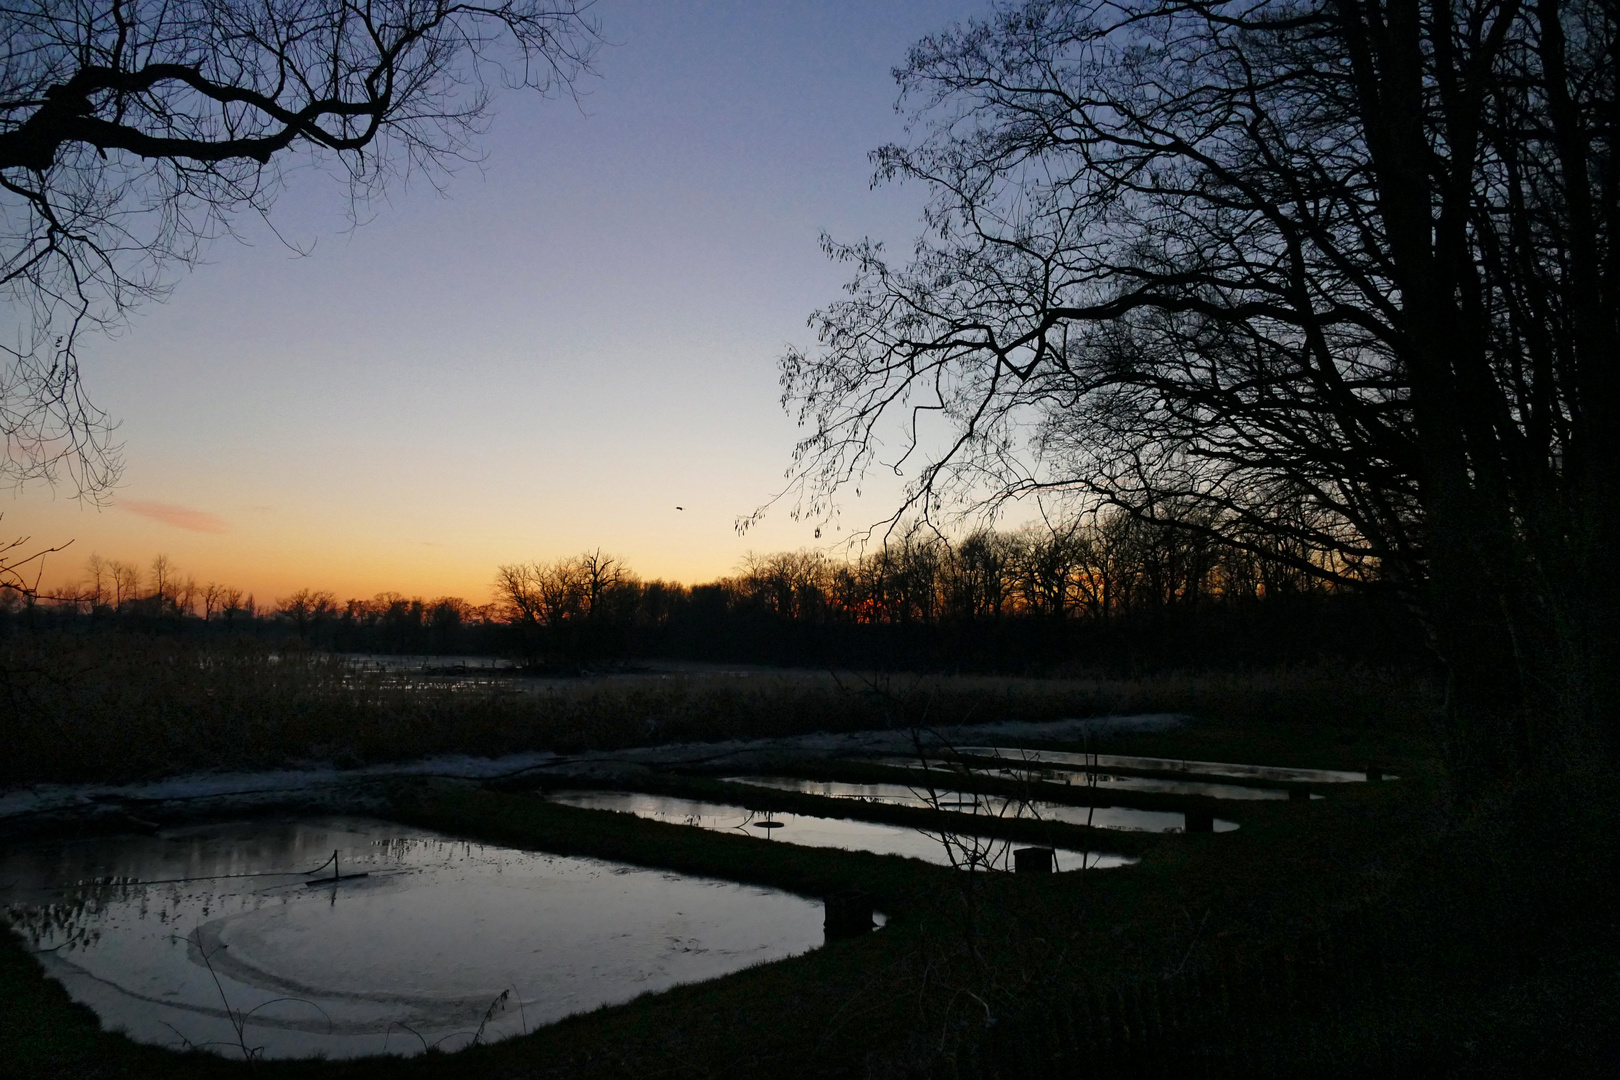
{"type": "Point", "coordinates": [252, 551]}
{"type": "Point", "coordinates": [270, 581]}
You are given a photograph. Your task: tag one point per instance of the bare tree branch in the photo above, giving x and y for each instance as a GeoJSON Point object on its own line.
{"type": "Point", "coordinates": [133, 131]}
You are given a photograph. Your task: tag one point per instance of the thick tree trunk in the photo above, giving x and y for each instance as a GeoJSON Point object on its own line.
{"type": "Point", "coordinates": [1520, 594]}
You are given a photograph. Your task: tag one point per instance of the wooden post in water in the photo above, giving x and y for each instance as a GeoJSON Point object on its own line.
{"type": "Point", "coordinates": [1299, 794]}
{"type": "Point", "coordinates": [1200, 821]}
{"type": "Point", "coordinates": [1033, 860]}
{"type": "Point", "coordinates": [848, 914]}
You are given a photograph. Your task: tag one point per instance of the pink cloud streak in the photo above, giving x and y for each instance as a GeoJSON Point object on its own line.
{"type": "Point", "coordinates": [181, 517]}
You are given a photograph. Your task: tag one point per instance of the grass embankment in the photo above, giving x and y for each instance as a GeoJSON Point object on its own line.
{"type": "Point", "coordinates": [1501, 945]}
{"type": "Point", "coordinates": [113, 708]}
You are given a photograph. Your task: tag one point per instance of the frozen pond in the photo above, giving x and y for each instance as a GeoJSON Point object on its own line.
{"type": "Point", "coordinates": [1099, 817]}
{"type": "Point", "coordinates": [181, 937]}
{"type": "Point", "coordinates": [1069, 760]}
{"type": "Point", "coordinates": [948, 849]}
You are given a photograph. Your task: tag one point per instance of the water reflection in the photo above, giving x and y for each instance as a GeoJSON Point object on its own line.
{"type": "Point", "coordinates": [213, 937]}
{"type": "Point", "coordinates": [1103, 781]}
{"type": "Point", "coordinates": [1099, 817]}
{"type": "Point", "coordinates": [941, 849]}
{"type": "Point", "coordinates": [1070, 760]}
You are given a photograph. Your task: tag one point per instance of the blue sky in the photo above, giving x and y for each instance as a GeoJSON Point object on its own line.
{"type": "Point", "coordinates": [549, 355]}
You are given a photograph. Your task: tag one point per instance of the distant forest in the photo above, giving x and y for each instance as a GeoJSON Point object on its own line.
{"type": "Point", "coordinates": [1113, 593]}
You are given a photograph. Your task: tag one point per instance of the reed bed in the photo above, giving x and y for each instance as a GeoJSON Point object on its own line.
{"type": "Point", "coordinates": [113, 707]}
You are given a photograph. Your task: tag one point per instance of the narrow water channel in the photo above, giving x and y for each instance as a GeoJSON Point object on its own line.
{"type": "Point", "coordinates": [966, 802]}
{"type": "Point", "coordinates": [1073, 760]}
{"type": "Point", "coordinates": [941, 849]}
{"type": "Point", "coordinates": [1106, 782]}
{"type": "Point", "coordinates": [215, 937]}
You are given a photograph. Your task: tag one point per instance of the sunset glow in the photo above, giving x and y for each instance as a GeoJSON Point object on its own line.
{"type": "Point", "coordinates": [550, 357]}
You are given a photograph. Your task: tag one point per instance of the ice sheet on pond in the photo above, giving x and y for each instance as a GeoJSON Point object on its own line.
{"type": "Point", "coordinates": [942, 849]}
{"type": "Point", "coordinates": [1073, 760]}
{"type": "Point", "coordinates": [442, 941]}
{"type": "Point", "coordinates": [966, 802]}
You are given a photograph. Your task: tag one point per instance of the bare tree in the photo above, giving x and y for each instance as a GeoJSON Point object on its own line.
{"type": "Point", "coordinates": [605, 579]}
{"type": "Point", "coordinates": [96, 573]}
{"type": "Point", "coordinates": [126, 581]}
{"type": "Point", "coordinates": [517, 589]}
{"type": "Point", "coordinates": [163, 580]}
{"type": "Point", "coordinates": [185, 595]}
{"type": "Point", "coordinates": [790, 584]}
{"type": "Point", "coordinates": [307, 608]}
{"type": "Point", "coordinates": [574, 605]}
{"type": "Point", "coordinates": [22, 568]}
{"type": "Point", "coordinates": [1338, 274]}
{"type": "Point", "coordinates": [231, 604]}
{"type": "Point", "coordinates": [445, 616]}
{"type": "Point", "coordinates": [976, 583]}
{"type": "Point", "coordinates": [1043, 563]}
{"type": "Point", "coordinates": [131, 131]}
{"type": "Point", "coordinates": [523, 599]}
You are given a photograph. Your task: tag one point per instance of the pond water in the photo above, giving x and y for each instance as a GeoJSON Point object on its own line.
{"type": "Point", "coordinates": [1105, 782]}
{"type": "Point", "coordinates": [948, 849]}
{"type": "Point", "coordinates": [1064, 759]}
{"type": "Point", "coordinates": [965, 802]}
{"type": "Point", "coordinates": [214, 936]}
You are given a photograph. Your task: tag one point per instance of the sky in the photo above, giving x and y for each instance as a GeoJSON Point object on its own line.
{"type": "Point", "coordinates": [548, 355]}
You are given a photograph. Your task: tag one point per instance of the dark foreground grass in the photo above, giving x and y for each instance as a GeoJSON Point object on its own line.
{"type": "Point", "coordinates": [1492, 925]}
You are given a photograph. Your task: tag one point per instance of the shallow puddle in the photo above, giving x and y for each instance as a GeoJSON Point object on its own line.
{"type": "Point", "coordinates": [942, 849]}
{"type": "Point", "coordinates": [214, 937]}
{"type": "Point", "coordinates": [1065, 759]}
{"type": "Point", "coordinates": [1099, 817]}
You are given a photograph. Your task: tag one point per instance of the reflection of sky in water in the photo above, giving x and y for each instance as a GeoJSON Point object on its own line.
{"type": "Point", "coordinates": [1110, 782]}
{"type": "Point", "coordinates": [428, 942]}
{"type": "Point", "coordinates": [1105, 782]}
{"type": "Point", "coordinates": [941, 849]}
{"type": "Point", "coordinates": [1197, 768]}
{"type": "Point", "coordinates": [1100, 817]}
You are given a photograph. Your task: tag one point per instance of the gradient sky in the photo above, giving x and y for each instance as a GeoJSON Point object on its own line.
{"type": "Point", "coordinates": [549, 356]}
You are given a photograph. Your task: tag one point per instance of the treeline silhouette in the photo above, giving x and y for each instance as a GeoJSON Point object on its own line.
{"type": "Point", "coordinates": [120, 596]}
{"type": "Point", "coordinates": [1113, 593]}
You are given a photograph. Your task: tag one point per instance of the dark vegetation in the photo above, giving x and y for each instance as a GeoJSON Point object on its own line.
{"type": "Point", "coordinates": [1309, 305]}
{"type": "Point", "coordinates": [1450, 948]}
{"type": "Point", "coordinates": [127, 707]}
{"type": "Point", "coordinates": [1331, 281]}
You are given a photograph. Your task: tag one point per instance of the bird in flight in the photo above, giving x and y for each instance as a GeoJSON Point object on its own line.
{"type": "Point", "coordinates": [680, 508]}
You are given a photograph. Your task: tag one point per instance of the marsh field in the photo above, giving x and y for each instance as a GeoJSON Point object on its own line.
{"type": "Point", "coordinates": [1169, 628]}
{"type": "Point", "coordinates": [1384, 928]}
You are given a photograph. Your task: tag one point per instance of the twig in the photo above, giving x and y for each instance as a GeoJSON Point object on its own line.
{"type": "Point", "coordinates": [392, 1024]}
{"type": "Point", "coordinates": [489, 1014]}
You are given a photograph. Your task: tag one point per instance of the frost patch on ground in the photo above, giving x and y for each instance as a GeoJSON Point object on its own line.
{"type": "Point", "coordinates": [254, 788]}
{"type": "Point", "coordinates": [892, 741]}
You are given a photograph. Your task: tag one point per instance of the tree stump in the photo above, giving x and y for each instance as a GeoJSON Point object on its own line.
{"type": "Point", "coordinates": [1033, 860]}
{"type": "Point", "coordinates": [848, 914]}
